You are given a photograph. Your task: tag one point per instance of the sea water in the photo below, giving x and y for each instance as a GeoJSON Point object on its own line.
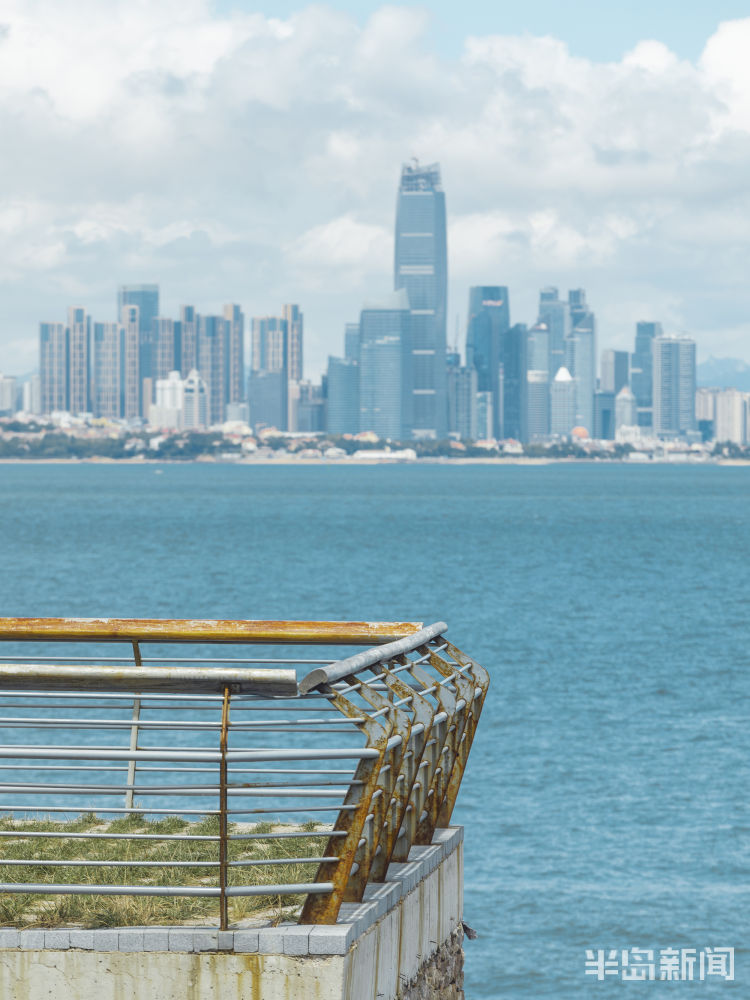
{"type": "Point", "coordinates": [606, 797]}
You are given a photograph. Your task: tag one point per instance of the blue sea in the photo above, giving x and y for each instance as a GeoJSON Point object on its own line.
{"type": "Point", "coordinates": [606, 804]}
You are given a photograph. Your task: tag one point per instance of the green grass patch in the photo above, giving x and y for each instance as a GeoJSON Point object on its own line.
{"type": "Point", "coordinates": [41, 910]}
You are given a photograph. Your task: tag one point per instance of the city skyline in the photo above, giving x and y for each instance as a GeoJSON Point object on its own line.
{"type": "Point", "coordinates": [546, 185]}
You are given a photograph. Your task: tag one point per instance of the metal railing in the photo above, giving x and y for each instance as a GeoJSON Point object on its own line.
{"type": "Point", "coordinates": [196, 766]}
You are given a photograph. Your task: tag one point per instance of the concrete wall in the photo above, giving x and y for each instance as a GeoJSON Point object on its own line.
{"type": "Point", "coordinates": [402, 940]}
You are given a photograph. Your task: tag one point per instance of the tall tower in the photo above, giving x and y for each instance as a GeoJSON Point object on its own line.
{"type": "Point", "coordinates": [107, 400]}
{"type": "Point", "coordinates": [642, 369]}
{"type": "Point", "coordinates": [489, 321]}
{"type": "Point", "coordinates": [673, 385]}
{"type": "Point", "coordinates": [235, 353]}
{"type": "Point", "coordinates": [146, 297]}
{"type": "Point", "coordinates": [53, 366]}
{"type": "Point", "coordinates": [421, 267]}
{"type": "Point", "coordinates": [79, 347]}
{"type": "Point", "coordinates": [130, 354]}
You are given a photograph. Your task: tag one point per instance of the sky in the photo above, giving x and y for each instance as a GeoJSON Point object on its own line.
{"type": "Point", "coordinates": [232, 152]}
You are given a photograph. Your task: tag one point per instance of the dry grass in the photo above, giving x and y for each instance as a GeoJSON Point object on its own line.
{"type": "Point", "coordinates": [38, 910]}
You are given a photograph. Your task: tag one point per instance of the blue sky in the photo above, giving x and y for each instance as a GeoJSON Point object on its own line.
{"type": "Point", "coordinates": [592, 28]}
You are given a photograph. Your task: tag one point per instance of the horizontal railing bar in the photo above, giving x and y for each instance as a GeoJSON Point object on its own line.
{"type": "Point", "coordinates": [202, 630]}
{"type": "Point", "coordinates": [360, 661]}
{"type": "Point", "coordinates": [165, 659]}
{"type": "Point", "coordinates": [55, 835]}
{"type": "Point", "coordinates": [270, 791]}
{"type": "Point", "coordinates": [288, 889]}
{"type": "Point", "coordinates": [188, 756]}
{"type": "Point", "coordinates": [38, 863]}
{"type": "Point", "coordinates": [28, 676]}
{"type": "Point", "coordinates": [72, 889]}
{"type": "Point", "coordinates": [36, 809]}
{"type": "Point", "coordinates": [39, 722]}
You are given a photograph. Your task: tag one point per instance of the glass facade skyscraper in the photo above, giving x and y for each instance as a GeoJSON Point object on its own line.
{"type": "Point", "coordinates": [641, 370]}
{"type": "Point", "coordinates": [146, 297]}
{"type": "Point", "coordinates": [421, 268]}
{"type": "Point", "coordinates": [53, 366]}
{"type": "Point", "coordinates": [385, 368]}
{"type": "Point", "coordinates": [489, 321]}
{"type": "Point", "coordinates": [673, 385]}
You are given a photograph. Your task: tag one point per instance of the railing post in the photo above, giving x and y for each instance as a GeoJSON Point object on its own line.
{"type": "Point", "coordinates": [129, 792]}
{"type": "Point", "coordinates": [320, 909]}
{"type": "Point", "coordinates": [223, 821]}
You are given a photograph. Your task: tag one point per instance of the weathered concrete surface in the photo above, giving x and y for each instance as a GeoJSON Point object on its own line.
{"type": "Point", "coordinates": [442, 976]}
{"type": "Point", "coordinates": [403, 940]}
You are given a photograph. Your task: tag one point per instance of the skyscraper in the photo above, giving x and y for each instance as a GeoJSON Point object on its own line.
{"type": "Point", "coordinates": [554, 312]}
{"type": "Point", "coordinates": [146, 298]}
{"type": "Point", "coordinates": [562, 403]}
{"type": "Point", "coordinates": [294, 340]}
{"type": "Point", "coordinates": [188, 340]}
{"type": "Point", "coordinates": [130, 360]}
{"type": "Point", "coordinates": [79, 362]}
{"type": "Point", "coordinates": [462, 402]}
{"type": "Point", "coordinates": [514, 381]}
{"type": "Point", "coordinates": [641, 370]}
{"type": "Point", "coordinates": [673, 385]}
{"type": "Point", "coordinates": [213, 341]}
{"type": "Point", "coordinates": [107, 366]}
{"type": "Point", "coordinates": [235, 354]}
{"type": "Point", "coordinates": [615, 370]}
{"type": "Point", "coordinates": [343, 395]}
{"type": "Point", "coordinates": [167, 347]}
{"type": "Point", "coordinates": [580, 356]}
{"type": "Point", "coordinates": [53, 366]}
{"type": "Point", "coordinates": [351, 341]}
{"type": "Point", "coordinates": [421, 268]}
{"type": "Point", "coordinates": [386, 398]}
{"type": "Point", "coordinates": [535, 424]}
{"type": "Point", "coordinates": [269, 344]}
{"type": "Point", "coordinates": [489, 321]}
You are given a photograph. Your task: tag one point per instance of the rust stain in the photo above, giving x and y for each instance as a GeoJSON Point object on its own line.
{"type": "Point", "coordinates": [203, 630]}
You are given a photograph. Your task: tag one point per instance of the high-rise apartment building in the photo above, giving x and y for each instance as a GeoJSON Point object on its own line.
{"type": "Point", "coordinates": [146, 298]}
{"type": "Point", "coordinates": [462, 402]}
{"type": "Point", "coordinates": [269, 344]}
{"type": "Point", "coordinates": [641, 370]}
{"type": "Point", "coordinates": [235, 354]}
{"type": "Point", "coordinates": [194, 402]}
{"type": "Point", "coordinates": [343, 395]}
{"type": "Point", "coordinates": [107, 367]}
{"type": "Point", "coordinates": [189, 359]}
{"type": "Point", "coordinates": [488, 323]}
{"type": "Point", "coordinates": [673, 385]}
{"type": "Point", "coordinates": [79, 362]}
{"type": "Point", "coordinates": [213, 339]}
{"type": "Point", "coordinates": [421, 268]}
{"type": "Point", "coordinates": [167, 347]}
{"type": "Point", "coordinates": [32, 395]}
{"type": "Point", "coordinates": [131, 362]}
{"type": "Point", "coordinates": [294, 341]}
{"type": "Point", "coordinates": [615, 370]}
{"type": "Point", "coordinates": [53, 366]}
{"type": "Point", "coordinates": [8, 395]}
{"type": "Point", "coordinates": [730, 422]}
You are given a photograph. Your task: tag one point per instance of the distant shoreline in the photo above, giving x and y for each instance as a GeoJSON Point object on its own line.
{"type": "Point", "coordinates": [314, 462]}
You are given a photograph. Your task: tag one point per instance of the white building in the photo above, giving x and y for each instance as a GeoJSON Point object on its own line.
{"type": "Point", "coordinates": [8, 395]}
{"type": "Point", "coordinates": [730, 422]}
{"type": "Point", "coordinates": [626, 408]}
{"type": "Point", "coordinates": [167, 411]}
{"type": "Point", "coordinates": [562, 403]}
{"type": "Point", "coordinates": [195, 402]}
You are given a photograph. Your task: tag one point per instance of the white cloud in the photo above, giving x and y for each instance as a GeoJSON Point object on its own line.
{"type": "Point", "coordinates": [256, 159]}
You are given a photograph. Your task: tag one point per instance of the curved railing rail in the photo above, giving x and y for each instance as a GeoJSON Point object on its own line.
{"type": "Point", "coordinates": [215, 780]}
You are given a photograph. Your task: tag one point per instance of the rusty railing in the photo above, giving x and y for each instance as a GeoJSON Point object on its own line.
{"type": "Point", "coordinates": [353, 762]}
